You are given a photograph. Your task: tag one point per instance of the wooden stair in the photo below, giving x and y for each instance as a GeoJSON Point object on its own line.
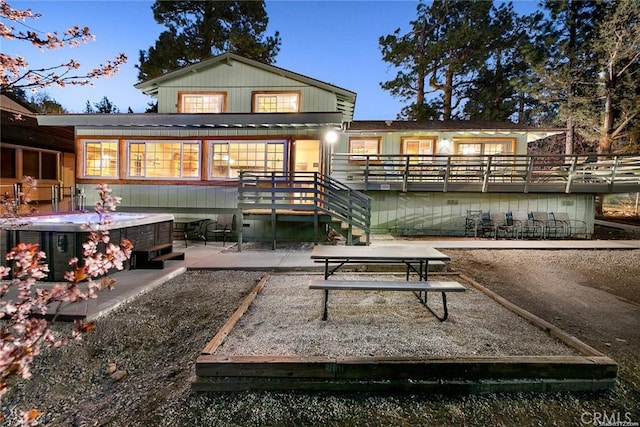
{"type": "Point", "coordinates": [153, 257]}
{"type": "Point", "coordinates": [358, 237]}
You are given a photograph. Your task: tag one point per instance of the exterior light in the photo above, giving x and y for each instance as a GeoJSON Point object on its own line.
{"type": "Point", "coordinates": [331, 136]}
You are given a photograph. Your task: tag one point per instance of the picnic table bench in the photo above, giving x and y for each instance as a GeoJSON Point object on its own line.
{"type": "Point", "coordinates": [371, 285]}
{"type": "Point", "coordinates": [415, 258]}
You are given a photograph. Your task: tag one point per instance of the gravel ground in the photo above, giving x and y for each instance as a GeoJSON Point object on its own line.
{"type": "Point", "coordinates": [285, 320]}
{"type": "Point", "coordinates": [154, 341]}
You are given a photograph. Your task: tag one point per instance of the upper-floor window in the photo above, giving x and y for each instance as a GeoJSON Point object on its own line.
{"type": "Point", "coordinates": [229, 158]}
{"type": "Point", "coordinates": [163, 159]}
{"type": "Point", "coordinates": [100, 158]}
{"type": "Point", "coordinates": [276, 102]}
{"type": "Point", "coordinates": [202, 102]}
{"type": "Point", "coordinates": [419, 146]}
{"type": "Point", "coordinates": [363, 145]}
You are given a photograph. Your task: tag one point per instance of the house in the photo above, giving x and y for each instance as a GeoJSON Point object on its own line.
{"type": "Point", "coordinates": [45, 153]}
{"type": "Point", "coordinates": [282, 152]}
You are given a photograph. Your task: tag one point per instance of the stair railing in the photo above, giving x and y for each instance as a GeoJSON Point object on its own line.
{"type": "Point", "coordinates": [306, 191]}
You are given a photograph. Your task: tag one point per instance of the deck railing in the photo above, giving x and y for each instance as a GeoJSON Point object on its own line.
{"type": "Point", "coordinates": [491, 173]}
{"type": "Point", "coordinates": [306, 191]}
{"type": "Point", "coordinates": [47, 196]}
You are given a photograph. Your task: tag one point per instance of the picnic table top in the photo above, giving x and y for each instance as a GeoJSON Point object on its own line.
{"type": "Point", "coordinates": [378, 253]}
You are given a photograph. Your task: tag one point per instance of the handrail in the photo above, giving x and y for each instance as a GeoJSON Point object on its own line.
{"type": "Point", "coordinates": [41, 194]}
{"type": "Point", "coordinates": [605, 173]}
{"type": "Point", "coordinates": [306, 191]}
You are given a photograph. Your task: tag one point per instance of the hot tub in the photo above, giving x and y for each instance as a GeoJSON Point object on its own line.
{"type": "Point", "coordinates": [61, 236]}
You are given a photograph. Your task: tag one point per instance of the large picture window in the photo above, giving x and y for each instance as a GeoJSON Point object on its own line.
{"type": "Point", "coordinates": [163, 159]}
{"type": "Point", "coordinates": [484, 146]}
{"type": "Point", "coordinates": [276, 102]}
{"type": "Point", "coordinates": [100, 159]}
{"type": "Point", "coordinates": [363, 145]}
{"type": "Point", "coordinates": [229, 158]}
{"type": "Point", "coordinates": [202, 102]}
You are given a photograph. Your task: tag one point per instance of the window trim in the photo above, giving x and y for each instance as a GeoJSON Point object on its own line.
{"type": "Point", "coordinates": [419, 160]}
{"type": "Point", "coordinates": [85, 160]}
{"type": "Point", "coordinates": [482, 141]}
{"type": "Point", "coordinates": [373, 157]}
{"type": "Point", "coordinates": [256, 94]}
{"type": "Point", "coordinates": [265, 142]}
{"type": "Point", "coordinates": [182, 93]}
{"type": "Point", "coordinates": [129, 142]}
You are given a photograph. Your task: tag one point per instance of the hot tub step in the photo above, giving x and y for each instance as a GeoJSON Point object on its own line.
{"type": "Point", "coordinates": [154, 257]}
{"type": "Point", "coordinates": [171, 255]}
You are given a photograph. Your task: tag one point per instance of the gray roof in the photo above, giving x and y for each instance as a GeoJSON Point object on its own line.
{"type": "Point", "coordinates": [440, 126]}
{"type": "Point", "coordinates": [221, 120]}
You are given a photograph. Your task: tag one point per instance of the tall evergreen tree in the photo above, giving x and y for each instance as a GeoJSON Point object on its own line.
{"type": "Point", "coordinates": [104, 106]}
{"type": "Point", "coordinates": [441, 55]}
{"type": "Point", "coordinates": [199, 29]}
{"type": "Point", "coordinates": [608, 108]}
{"type": "Point", "coordinates": [501, 89]}
{"type": "Point", "coordinates": [568, 31]}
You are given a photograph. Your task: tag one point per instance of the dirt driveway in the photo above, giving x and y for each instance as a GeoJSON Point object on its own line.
{"type": "Point", "coordinates": [593, 295]}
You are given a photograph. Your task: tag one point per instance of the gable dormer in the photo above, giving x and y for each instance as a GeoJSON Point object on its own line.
{"type": "Point", "coordinates": [230, 83]}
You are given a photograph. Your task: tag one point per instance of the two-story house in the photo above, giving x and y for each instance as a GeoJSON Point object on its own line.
{"type": "Point", "coordinates": [230, 132]}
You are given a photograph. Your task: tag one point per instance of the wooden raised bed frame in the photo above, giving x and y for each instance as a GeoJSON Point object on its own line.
{"type": "Point", "coordinates": [591, 370]}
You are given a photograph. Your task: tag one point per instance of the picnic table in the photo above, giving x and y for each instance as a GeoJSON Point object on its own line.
{"type": "Point", "coordinates": [415, 258]}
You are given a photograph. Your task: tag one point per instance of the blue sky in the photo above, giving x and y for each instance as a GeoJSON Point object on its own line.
{"type": "Point", "coordinates": [333, 41]}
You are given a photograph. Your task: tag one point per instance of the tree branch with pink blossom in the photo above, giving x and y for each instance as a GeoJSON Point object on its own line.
{"type": "Point", "coordinates": [24, 329]}
{"type": "Point", "coordinates": [14, 70]}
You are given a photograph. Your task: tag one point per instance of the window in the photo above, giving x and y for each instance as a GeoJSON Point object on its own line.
{"type": "Point", "coordinates": [228, 158]}
{"type": "Point", "coordinates": [100, 159]}
{"type": "Point", "coordinates": [8, 162]}
{"type": "Point", "coordinates": [276, 102]}
{"type": "Point", "coordinates": [485, 146]}
{"type": "Point", "coordinates": [40, 164]}
{"type": "Point", "coordinates": [419, 146]}
{"type": "Point", "coordinates": [163, 159]}
{"type": "Point", "coordinates": [363, 145]}
{"type": "Point", "coordinates": [202, 102]}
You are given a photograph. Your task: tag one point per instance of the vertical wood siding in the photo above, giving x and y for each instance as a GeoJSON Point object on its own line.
{"type": "Point", "coordinates": [239, 81]}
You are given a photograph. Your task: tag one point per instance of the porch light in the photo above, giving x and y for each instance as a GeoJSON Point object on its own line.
{"type": "Point", "coordinates": [331, 136]}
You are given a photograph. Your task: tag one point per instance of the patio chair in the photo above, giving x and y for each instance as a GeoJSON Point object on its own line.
{"type": "Point", "coordinates": [223, 226]}
{"type": "Point", "coordinates": [471, 222]}
{"type": "Point", "coordinates": [551, 229]}
{"type": "Point", "coordinates": [555, 228]}
{"type": "Point", "coordinates": [573, 227]}
{"type": "Point", "coordinates": [509, 228]}
{"type": "Point", "coordinates": [199, 231]}
{"type": "Point", "coordinates": [526, 226]}
{"type": "Point", "coordinates": [486, 227]}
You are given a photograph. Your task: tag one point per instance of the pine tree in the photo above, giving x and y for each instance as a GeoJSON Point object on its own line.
{"type": "Point", "coordinates": [441, 55]}
{"type": "Point", "coordinates": [197, 30]}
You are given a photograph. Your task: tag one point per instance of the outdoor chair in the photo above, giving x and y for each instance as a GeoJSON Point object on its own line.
{"type": "Point", "coordinates": [223, 226]}
{"type": "Point", "coordinates": [486, 227]}
{"type": "Point", "coordinates": [540, 219]}
{"type": "Point", "coordinates": [472, 220]}
{"type": "Point", "coordinates": [527, 227]}
{"type": "Point", "coordinates": [509, 228]}
{"type": "Point", "coordinates": [573, 227]}
{"type": "Point", "coordinates": [555, 228]}
{"type": "Point", "coordinates": [551, 229]}
{"type": "Point", "coordinates": [198, 231]}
